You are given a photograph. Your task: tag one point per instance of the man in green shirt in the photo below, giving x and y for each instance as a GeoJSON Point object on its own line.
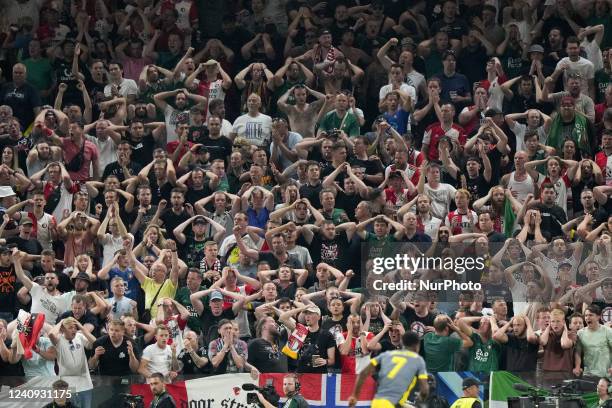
{"type": "Point", "coordinates": [485, 352]}
{"type": "Point", "coordinates": [40, 71]}
{"type": "Point", "coordinates": [194, 282]}
{"type": "Point", "coordinates": [340, 118]}
{"type": "Point", "coordinates": [327, 197]}
{"type": "Point", "coordinates": [381, 238]}
{"type": "Point", "coordinates": [440, 347]}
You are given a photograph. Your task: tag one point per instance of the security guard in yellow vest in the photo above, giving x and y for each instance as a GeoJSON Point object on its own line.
{"type": "Point", "coordinates": [470, 395]}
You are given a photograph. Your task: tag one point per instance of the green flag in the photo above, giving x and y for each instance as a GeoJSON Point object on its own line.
{"type": "Point", "coordinates": [509, 218]}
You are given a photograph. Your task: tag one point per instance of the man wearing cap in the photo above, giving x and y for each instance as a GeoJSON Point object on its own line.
{"type": "Point", "coordinates": [318, 351]}
{"type": "Point", "coordinates": [8, 199]}
{"type": "Point", "coordinates": [212, 313]}
{"type": "Point", "coordinates": [193, 244]}
{"type": "Point", "coordinates": [470, 394]}
{"type": "Point", "coordinates": [323, 54]}
{"type": "Point", "coordinates": [24, 241]}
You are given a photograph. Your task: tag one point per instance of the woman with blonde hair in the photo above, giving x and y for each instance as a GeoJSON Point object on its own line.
{"type": "Point", "coordinates": [153, 241]}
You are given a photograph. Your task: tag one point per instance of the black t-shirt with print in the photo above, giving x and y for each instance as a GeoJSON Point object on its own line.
{"type": "Point", "coordinates": [334, 251]}
{"type": "Point", "coordinates": [8, 289]}
{"type": "Point", "coordinates": [115, 360]}
{"type": "Point", "coordinates": [267, 358]}
{"type": "Point", "coordinates": [315, 343]}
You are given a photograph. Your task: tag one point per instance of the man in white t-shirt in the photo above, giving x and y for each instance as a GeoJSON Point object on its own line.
{"type": "Point", "coordinates": [574, 63]}
{"type": "Point", "coordinates": [396, 82]}
{"type": "Point", "coordinates": [160, 357]}
{"type": "Point", "coordinates": [118, 85]}
{"type": "Point", "coordinates": [253, 125]}
{"type": "Point", "coordinates": [106, 142]}
{"type": "Point", "coordinates": [441, 194]}
{"type": "Point", "coordinates": [71, 339]}
{"type": "Point", "coordinates": [47, 300]}
{"type": "Point", "coordinates": [179, 113]}
{"type": "Point", "coordinates": [533, 123]}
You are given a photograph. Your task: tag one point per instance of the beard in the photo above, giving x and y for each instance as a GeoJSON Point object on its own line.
{"type": "Point", "coordinates": [274, 333]}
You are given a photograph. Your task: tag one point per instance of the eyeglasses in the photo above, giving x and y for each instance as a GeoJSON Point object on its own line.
{"type": "Point", "coordinates": [72, 346]}
{"type": "Point", "coordinates": [115, 308]}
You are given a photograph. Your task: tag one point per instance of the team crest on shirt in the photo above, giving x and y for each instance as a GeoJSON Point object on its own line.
{"type": "Point", "coordinates": [418, 328]}
{"type": "Point", "coordinates": [122, 355]}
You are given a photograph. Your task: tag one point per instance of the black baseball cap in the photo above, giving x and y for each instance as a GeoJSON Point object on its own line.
{"type": "Point", "coordinates": [469, 382]}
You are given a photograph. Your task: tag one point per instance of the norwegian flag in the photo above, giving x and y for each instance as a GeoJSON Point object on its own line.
{"type": "Point", "coordinates": [325, 390]}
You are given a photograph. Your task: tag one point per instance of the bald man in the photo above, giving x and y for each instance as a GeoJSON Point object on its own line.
{"type": "Point", "coordinates": [22, 97]}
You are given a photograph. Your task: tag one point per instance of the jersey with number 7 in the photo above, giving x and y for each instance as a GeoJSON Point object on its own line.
{"type": "Point", "coordinates": [397, 375]}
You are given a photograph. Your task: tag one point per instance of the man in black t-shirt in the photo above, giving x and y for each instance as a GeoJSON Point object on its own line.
{"type": "Point", "coordinates": [192, 245]}
{"type": "Point", "coordinates": [142, 142]}
{"type": "Point", "coordinates": [22, 97]}
{"type": "Point", "coordinates": [8, 285]}
{"type": "Point", "coordinates": [114, 354]}
{"type": "Point", "coordinates": [176, 214]}
{"type": "Point", "coordinates": [161, 398]}
{"type": "Point", "coordinates": [219, 146]}
{"type": "Point", "coordinates": [318, 352]}
{"type": "Point", "coordinates": [24, 240]}
{"type": "Point", "coordinates": [211, 314]}
{"type": "Point", "coordinates": [264, 349]}
{"type": "Point", "coordinates": [195, 359]}
{"type": "Point", "coordinates": [124, 163]}
{"type": "Point", "coordinates": [328, 243]}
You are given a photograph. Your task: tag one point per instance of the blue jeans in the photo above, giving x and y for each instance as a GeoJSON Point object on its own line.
{"type": "Point", "coordinates": [82, 399]}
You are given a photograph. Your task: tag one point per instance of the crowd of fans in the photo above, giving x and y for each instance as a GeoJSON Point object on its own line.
{"type": "Point", "coordinates": [186, 185]}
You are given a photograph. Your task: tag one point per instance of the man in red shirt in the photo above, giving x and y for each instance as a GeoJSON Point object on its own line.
{"type": "Point", "coordinates": [445, 127]}
{"type": "Point", "coordinates": [79, 154]}
{"type": "Point", "coordinates": [604, 158]}
{"type": "Point", "coordinates": [355, 345]}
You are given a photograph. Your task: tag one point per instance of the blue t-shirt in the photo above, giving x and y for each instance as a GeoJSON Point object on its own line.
{"type": "Point", "coordinates": [133, 285]}
{"type": "Point", "coordinates": [400, 120]}
{"type": "Point", "coordinates": [258, 220]}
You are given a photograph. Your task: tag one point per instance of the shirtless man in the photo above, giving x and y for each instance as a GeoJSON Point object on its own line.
{"type": "Point", "coordinates": [302, 116]}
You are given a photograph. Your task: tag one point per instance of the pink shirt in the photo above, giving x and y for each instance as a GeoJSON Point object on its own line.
{"type": "Point", "coordinates": [90, 154]}
{"type": "Point", "coordinates": [132, 67]}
